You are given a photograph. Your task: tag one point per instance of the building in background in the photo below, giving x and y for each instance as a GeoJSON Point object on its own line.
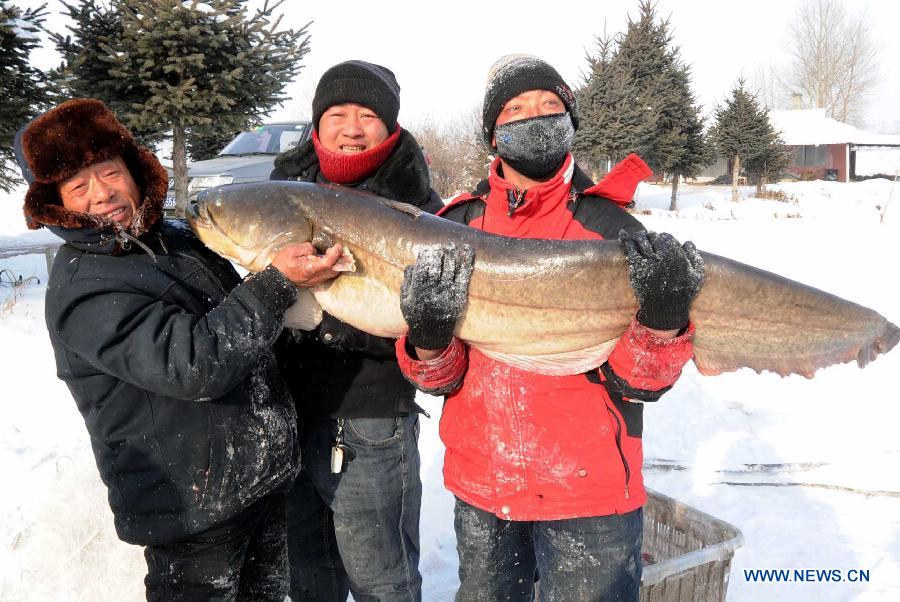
{"type": "Point", "coordinates": [826, 149]}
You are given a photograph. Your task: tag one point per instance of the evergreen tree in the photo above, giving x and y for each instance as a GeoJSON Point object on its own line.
{"type": "Point", "coordinates": [637, 98]}
{"type": "Point", "coordinates": [671, 137]}
{"type": "Point", "coordinates": [744, 135]}
{"type": "Point", "coordinates": [200, 67]}
{"type": "Point", "coordinates": [774, 158]}
{"type": "Point", "coordinates": [24, 90]}
{"type": "Point", "coordinates": [84, 72]}
{"type": "Point", "coordinates": [612, 122]}
{"type": "Point", "coordinates": [689, 148]}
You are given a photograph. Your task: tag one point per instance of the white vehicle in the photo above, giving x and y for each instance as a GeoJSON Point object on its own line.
{"type": "Point", "coordinates": [250, 157]}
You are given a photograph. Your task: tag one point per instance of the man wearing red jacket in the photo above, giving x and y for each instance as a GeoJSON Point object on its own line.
{"type": "Point", "coordinates": [546, 470]}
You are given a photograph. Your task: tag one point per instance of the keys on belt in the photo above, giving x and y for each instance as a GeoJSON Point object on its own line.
{"type": "Point", "coordinates": [341, 453]}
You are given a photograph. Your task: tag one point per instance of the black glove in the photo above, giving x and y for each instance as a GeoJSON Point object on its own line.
{"type": "Point", "coordinates": [433, 294]}
{"type": "Point", "coordinates": [664, 275]}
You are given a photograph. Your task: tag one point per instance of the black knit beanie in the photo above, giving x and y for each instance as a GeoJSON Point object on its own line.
{"type": "Point", "coordinates": [516, 73]}
{"type": "Point", "coordinates": [367, 84]}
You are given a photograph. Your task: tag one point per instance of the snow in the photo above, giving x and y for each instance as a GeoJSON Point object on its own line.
{"type": "Point", "coordinates": [198, 6]}
{"type": "Point", "coordinates": [800, 127]}
{"type": "Point", "coordinates": [834, 437]}
{"type": "Point", "coordinates": [23, 29]}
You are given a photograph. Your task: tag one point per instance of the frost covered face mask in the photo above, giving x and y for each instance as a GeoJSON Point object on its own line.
{"type": "Point", "coordinates": [535, 147]}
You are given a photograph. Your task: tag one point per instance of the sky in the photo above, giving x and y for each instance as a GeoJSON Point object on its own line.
{"type": "Point", "coordinates": [441, 52]}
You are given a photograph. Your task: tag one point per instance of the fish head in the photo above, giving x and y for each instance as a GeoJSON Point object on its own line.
{"type": "Point", "coordinates": [248, 223]}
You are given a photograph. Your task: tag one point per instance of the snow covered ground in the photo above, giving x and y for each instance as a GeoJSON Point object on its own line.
{"type": "Point", "coordinates": [833, 501]}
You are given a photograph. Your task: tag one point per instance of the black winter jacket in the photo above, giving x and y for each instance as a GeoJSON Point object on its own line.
{"type": "Point", "coordinates": [336, 370]}
{"type": "Point", "coordinates": [168, 358]}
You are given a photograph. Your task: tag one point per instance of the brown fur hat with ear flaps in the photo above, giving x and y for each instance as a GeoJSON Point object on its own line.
{"type": "Point", "coordinates": [77, 134]}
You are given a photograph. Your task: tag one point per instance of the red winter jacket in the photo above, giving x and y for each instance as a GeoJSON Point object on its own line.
{"type": "Point", "coordinates": [527, 446]}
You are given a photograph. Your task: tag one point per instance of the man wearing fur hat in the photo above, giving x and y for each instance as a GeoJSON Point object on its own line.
{"type": "Point", "coordinates": [353, 521]}
{"type": "Point", "coordinates": [546, 470]}
{"type": "Point", "coordinates": [167, 355]}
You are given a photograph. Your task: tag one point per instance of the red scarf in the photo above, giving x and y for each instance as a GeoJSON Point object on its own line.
{"type": "Point", "coordinates": [345, 169]}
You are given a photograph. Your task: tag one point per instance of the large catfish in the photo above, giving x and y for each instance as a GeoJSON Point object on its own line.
{"type": "Point", "coordinates": [549, 306]}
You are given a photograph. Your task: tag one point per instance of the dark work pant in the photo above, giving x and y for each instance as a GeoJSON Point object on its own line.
{"type": "Point", "coordinates": [589, 559]}
{"type": "Point", "coordinates": [244, 559]}
{"type": "Point", "coordinates": [357, 531]}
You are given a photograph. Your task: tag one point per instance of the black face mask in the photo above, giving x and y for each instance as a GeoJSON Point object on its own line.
{"type": "Point", "coordinates": [537, 146]}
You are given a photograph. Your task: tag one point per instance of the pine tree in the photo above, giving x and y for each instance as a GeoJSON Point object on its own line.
{"type": "Point", "coordinates": [671, 137]}
{"type": "Point", "coordinates": [25, 90]}
{"type": "Point", "coordinates": [637, 98]}
{"type": "Point", "coordinates": [200, 67]}
{"type": "Point", "coordinates": [612, 122]}
{"type": "Point", "coordinates": [744, 135]}
{"type": "Point", "coordinates": [773, 159]}
{"type": "Point", "coordinates": [84, 72]}
{"type": "Point", "coordinates": [599, 140]}
{"type": "Point", "coordinates": [690, 149]}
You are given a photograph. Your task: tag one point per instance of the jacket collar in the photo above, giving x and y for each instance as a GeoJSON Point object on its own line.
{"type": "Point", "coordinates": [533, 202]}
{"type": "Point", "coordinates": [581, 182]}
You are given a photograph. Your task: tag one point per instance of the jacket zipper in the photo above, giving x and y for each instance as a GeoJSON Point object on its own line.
{"type": "Point", "coordinates": [621, 452]}
{"type": "Point", "coordinates": [514, 200]}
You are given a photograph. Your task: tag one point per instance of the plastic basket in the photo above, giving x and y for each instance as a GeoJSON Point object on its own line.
{"type": "Point", "coordinates": [686, 553]}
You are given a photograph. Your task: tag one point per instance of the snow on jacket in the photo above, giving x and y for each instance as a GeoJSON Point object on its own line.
{"type": "Point", "coordinates": [168, 357]}
{"type": "Point", "coordinates": [527, 446]}
{"type": "Point", "coordinates": [345, 372]}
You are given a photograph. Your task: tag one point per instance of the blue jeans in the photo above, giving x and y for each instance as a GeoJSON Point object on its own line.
{"type": "Point", "coordinates": [593, 559]}
{"type": "Point", "coordinates": [359, 530]}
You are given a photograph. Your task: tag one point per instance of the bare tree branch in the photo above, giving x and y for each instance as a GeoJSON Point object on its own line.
{"type": "Point", "coordinates": [833, 59]}
{"type": "Point", "coordinates": [457, 156]}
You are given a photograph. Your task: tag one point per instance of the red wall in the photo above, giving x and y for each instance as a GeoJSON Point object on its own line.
{"type": "Point", "coordinates": [837, 159]}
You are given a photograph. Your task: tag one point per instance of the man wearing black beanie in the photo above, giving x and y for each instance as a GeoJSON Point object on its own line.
{"type": "Point", "coordinates": [546, 470]}
{"type": "Point", "coordinates": [353, 513]}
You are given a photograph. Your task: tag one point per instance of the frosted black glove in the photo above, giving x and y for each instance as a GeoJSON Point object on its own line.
{"type": "Point", "coordinates": [665, 277]}
{"type": "Point", "coordinates": [433, 295]}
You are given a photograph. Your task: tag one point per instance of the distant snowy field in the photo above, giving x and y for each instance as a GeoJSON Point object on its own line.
{"type": "Point", "coordinates": [836, 433]}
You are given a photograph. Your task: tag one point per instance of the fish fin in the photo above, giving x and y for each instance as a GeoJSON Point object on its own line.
{"type": "Point", "coordinates": [305, 314]}
{"type": "Point", "coordinates": [558, 364]}
{"type": "Point", "coordinates": [404, 207]}
{"type": "Point", "coordinates": [709, 363]}
{"type": "Point", "coordinates": [346, 262]}
{"type": "Point", "coordinates": [746, 317]}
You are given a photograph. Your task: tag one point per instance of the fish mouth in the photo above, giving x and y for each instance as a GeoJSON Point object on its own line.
{"type": "Point", "coordinates": [196, 210]}
{"type": "Point", "coordinates": [200, 219]}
